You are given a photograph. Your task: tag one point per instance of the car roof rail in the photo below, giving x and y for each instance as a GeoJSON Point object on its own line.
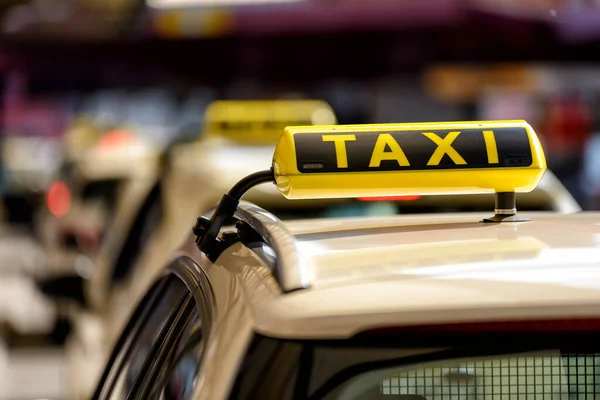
{"type": "Point", "coordinates": [561, 199]}
{"type": "Point", "coordinates": [291, 271]}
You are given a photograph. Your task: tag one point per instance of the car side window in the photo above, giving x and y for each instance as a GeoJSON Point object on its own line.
{"type": "Point", "coordinates": [163, 303]}
{"type": "Point", "coordinates": [146, 222]}
{"type": "Point", "coordinates": [175, 376]}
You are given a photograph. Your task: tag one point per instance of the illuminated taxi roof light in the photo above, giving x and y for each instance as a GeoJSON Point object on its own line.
{"type": "Point", "coordinates": [408, 159]}
{"type": "Point", "coordinates": [262, 121]}
{"type": "Point", "coordinates": [323, 116]}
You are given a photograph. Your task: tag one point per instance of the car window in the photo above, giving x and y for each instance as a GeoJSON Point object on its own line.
{"type": "Point", "coordinates": [151, 222]}
{"type": "Point", "coordinates": [364, 208]}
{"type": "Point", "coordinates": [507, 366]}
{"type": "Point", "coordinates": [547, 374]}
{"type": "Point", "coordinates": [159, 307]}
{"type": "Point", "coordinates": [160, 359]}
{"type": "Point", "coordinates": [178, 374]}
{"type": "Point", "coordinates": [105, 189]}
{"type": "Point", "coordinates": [144, 225]}
{"type": "Point", "coordinates": [175, 375]}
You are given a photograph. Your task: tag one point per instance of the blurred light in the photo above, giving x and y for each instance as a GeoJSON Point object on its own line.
{"type": "Point", "coordinates": [52, 10]}
{"type": "Point", "coordinates": [88, 238]}
{"type": "Point", "coordinates": [115, 138]}
{"type": "Point", "coordinates": [467, 83]}
{"type": "Point", "coordinates": [83, 266]}
{"type": "Point", "coordinates": [323, 116]}
{"type": "Point", "coordinates": [390, 198]}
{"type": "Point", "coordinates": [195, 22]}
{"type": "Point", "coordinates": [18, 18]}
{"type": "Point", "coordinates": [192, 3]}
{"type": "Point", "coordinates": [58, 199]}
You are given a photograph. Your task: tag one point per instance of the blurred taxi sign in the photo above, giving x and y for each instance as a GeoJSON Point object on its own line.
{"type": "Point", "coordinates": [207, 3]}
{"type": "Point", "coordinates": [212, 22]}
{"type": "Point", "coordinates": [263, 121]}
{"type": "Point", "coordinates": [525, 8]}
{"type": "Point", "coordinates": [408, 159]}
{"type": "Point", "coordinates": [465, 83]}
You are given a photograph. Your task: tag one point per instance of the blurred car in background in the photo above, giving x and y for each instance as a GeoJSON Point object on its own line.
{"type": "Point", "coordinates": [107, 171]}
{"type": "Point", "coordinates": [100, 170]}
{"type": "Point", "coordinates": [108, 187]}
{"type": "Point", "coordinates": [111, 164]}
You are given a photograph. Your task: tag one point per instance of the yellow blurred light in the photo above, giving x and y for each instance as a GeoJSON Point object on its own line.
{"type": "Point", "coordinates": [202, 3]}
{"type": "Point", "coordinates": [465, 83]}
{"type": "Point", "coordinates": [323, 116]}
{"type": "Point", "coordinates": [177, 23]}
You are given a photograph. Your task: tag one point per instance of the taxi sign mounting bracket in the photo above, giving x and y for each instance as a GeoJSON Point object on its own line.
{"type": "Point", "coordinates": [505, 209]}
{"type": "Point", "coordinates": [207, 230]}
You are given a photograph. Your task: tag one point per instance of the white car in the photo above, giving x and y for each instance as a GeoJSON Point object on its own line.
{"type": "Point", "coordinates": [94, 188]}
{"type": "Point", "coordinates": [439, 306]}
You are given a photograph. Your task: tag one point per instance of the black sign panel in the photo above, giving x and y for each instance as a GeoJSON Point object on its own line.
{"type": "Point", "coordinates": [412, 150]}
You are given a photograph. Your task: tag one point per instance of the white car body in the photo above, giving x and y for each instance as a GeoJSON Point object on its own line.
{"type": "Point", "coordinates": [340, 277]}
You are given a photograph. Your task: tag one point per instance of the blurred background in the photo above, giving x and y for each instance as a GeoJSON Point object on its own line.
{"type": "Point", "coordinates": [77, 75]}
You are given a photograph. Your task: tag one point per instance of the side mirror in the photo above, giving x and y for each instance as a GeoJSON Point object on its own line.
{"type": "Point", "coordinates": [64, 287]}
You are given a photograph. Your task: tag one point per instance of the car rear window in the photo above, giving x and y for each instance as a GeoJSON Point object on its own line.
{"type": "Point", "coordinates": [361, 208]}
{"type": "Point", "coordinates": [104, 190]}
{"type": "Point", "coordinates": [447, 367]}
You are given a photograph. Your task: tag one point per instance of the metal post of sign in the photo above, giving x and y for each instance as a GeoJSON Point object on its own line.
{"type": "Point", "coordinates": [505, 209]}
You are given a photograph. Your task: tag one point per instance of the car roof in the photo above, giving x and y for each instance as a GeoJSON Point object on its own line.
{"type": "Point", "coordinates": [348, 250]}
{"type": "Point", "coordinates": [422, 269]}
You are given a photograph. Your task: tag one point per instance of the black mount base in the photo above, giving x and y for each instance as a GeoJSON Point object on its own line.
{"type": "Point", "coordinates": [207, 230]}
{"type": "Point", "coordinates": [505, 218]}
{"type": "Point", "coordinates": [506, 209]}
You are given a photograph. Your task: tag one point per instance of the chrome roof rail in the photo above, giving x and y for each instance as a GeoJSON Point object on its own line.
{"type": "Point", "coordinates": [291, 271]}
{"type": "Point", "coordinates": [562, 201]}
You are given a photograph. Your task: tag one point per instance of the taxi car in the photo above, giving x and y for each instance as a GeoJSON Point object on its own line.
{"type": "Point", "coordinates": [440, 306]}
{"type": "Point", "coordinates": [101, 170]}
{"type": "Point", "coordinates": [104, 180]}
{"type": "Point", "coordinates": [237, 136]}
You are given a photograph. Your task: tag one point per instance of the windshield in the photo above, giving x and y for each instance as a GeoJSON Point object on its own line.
{"type": "Point", "coordinates": [418, 205]}
{"type": "Point", "coordinates": [482, 366]}
{"type": "Point", "coordinates": [349, 208]}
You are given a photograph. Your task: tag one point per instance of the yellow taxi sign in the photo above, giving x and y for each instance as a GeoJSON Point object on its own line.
{"type": "Point", "coordinates": [410, 158]}
{"type": "Point", "coordinates": [261, 121]}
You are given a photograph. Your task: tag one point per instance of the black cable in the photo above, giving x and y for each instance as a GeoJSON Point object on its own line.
{"type": "Point", "coordinates": [207, 230]}
{"type": "Point", "coordinates": [240, 188]}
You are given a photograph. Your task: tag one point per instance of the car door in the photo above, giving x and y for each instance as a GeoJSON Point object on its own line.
{"type": "Point", "coordinates": [154, 348]}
